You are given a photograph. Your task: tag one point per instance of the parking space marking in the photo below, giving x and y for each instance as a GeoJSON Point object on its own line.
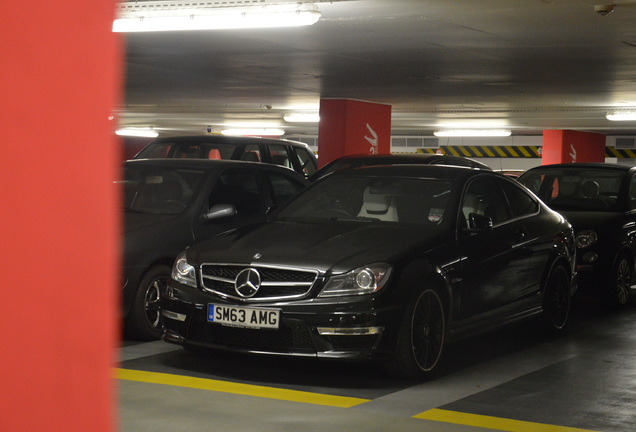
{"type": "Point", "coordinates": [488, 422]}
{"type": "Point", "coordinates": [238, 388]}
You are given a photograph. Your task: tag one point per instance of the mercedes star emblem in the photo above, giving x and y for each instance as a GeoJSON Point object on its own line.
{"type": "Point", "coordinates": [247, 282]}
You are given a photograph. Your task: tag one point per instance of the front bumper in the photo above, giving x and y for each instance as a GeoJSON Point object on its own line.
{"type": "Point", "coordinates": [343, 327]}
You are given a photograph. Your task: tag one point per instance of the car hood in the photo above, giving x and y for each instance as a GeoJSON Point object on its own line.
{"type": "Point", "coordinates": [336, 246]}
{"type": "Point", "coordinates": [590, 220]}
{"type": "Point", "coordinates": [135, 221]}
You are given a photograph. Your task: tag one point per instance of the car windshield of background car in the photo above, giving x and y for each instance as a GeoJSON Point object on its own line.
{"type": "Point", "coordinates": [582, 189]}
{"type": "Point", "coordinates": [159, 190]}
{"type": "Point", "coordinates": [374, 199]}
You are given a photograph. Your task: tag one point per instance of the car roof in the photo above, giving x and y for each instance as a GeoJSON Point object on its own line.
{"type": "Point", "coordinates": [206, 164]}
{"type": "Point", "coordinates": [585, 165]}
{"type": "Point", "coordinates": [446, 172]}
{"type": "Point", "coordinates": [402, 158]}
{"type": "Point", "coordinates": [226, 139]}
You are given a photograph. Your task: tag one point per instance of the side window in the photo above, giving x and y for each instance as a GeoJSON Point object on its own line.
{"type": "Point", "coordinates": [240, 188]}
{"type": "Point", "coordinates": [156, 151]}
{"type": "Point", "coordinates": [252, 153]}
{"type": "Point", "coordinates": [306, 161]}
{"type": "Point", "coordinates": [279, 156]}
{"type": "Point", "coordinates": [283, 188]}
{"type": "Point", "coordinates": [632, 193]}
{"type": "Point", "coordinates": [521, 204]}
{"type": "Point", "coordinates": [484, 197]}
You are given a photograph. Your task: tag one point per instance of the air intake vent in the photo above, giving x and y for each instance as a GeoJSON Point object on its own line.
{"type": "Point", "coordinates": [625, 143]}
{"type": "Point", "coordinates": [414, 142]}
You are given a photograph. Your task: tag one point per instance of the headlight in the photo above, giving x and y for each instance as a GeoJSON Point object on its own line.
{"type": "Point", "coordinates": [183, 272]}
{"type": "Point", "coordinates": [585, 238]}
{"type": "Point", "coordinates": [363, 280]}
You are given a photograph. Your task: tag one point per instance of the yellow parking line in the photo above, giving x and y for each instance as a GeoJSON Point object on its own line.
{"type": "Point", "coordinates": [237, 388]}
{"type": "Point", "coordinates": [492, 422]}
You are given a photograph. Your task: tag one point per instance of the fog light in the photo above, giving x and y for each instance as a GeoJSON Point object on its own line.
{"type": "Point", "coordinates": [349, 331]}
{"type": "Point", "coordinates": [590, 257]}
{"type": "Point", "coordinates": [174, 315]}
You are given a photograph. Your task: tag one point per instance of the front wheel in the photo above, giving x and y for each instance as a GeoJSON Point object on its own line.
{"type": "Point", "coordinates": [421, 338]}
{"type": "Point", "coordinates": [557, 299]}
{"type": "Point", "coordinates": [144, 320]}
{"type": "Point", "coordinates": [620, 282]}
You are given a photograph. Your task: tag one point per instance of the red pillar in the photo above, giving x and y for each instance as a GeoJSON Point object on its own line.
{"type": "Point", "coordinates": [352, 127]}
{"type": "Point", "coordinates": [59, 84]}
{"type": "Point", "coordinates": [566, 146]}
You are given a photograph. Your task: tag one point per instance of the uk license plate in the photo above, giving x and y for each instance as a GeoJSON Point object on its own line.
{"type": "Point", "coordinates": [243, 316]}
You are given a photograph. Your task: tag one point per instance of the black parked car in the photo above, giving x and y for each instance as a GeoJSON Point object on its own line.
{"type": "Point", "coordinates": [170, 204]}
{"type": "Point", "coordinates": [359, 160]}
{"type": "Point", "coordinates": [599, 200]}
{"type": "Point", "coordinates": [291, 154]}
{"type": "Point", "coordinates": [377, 262]}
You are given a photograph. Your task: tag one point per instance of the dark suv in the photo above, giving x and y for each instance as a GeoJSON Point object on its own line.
{"type": "Point", "coordinates": [291, 154]}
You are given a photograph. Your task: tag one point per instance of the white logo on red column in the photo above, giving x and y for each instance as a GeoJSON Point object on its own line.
{"type": "Point", "coordinates": [373, 140]}
{"type": "Point", "coordinates": [573, 153]}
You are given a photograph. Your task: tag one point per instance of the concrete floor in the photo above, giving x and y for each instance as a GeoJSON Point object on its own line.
{"type": "Point", "coordinates": [516, 380]}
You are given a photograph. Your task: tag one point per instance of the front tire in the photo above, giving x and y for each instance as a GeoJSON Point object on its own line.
{"type": "Point", "coordinates": [620, 282]}
{"type": "Point", "coordinates": [557, 299]}
{"type": "Point", "coordinates": [144, 320]}
{"type": "Point", "coordinates": [421, 338]}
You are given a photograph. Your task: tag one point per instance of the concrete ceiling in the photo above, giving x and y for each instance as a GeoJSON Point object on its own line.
{"type": "Point", "coordinates": [527, 65]}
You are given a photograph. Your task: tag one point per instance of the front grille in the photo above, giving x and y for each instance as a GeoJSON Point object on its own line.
{"type": "Point", "coordinates": [276, 283]}
{"type": "Point", "coordinates": [290, 337]}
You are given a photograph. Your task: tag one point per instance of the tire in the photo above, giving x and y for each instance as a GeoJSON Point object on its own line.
{"type": "Point", "coordinates": [557, 300]}
{"type": "Point", "coordinates": [421, 338]}
{"type": "Point", "coordinates": [620, 282]}
{"type": "Point", "coordinates": [144, 320]}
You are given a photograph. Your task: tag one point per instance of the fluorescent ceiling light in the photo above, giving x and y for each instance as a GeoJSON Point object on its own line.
{"type": "Point", "coordinates": [473, 133]}
{"type": "Point", "coordinates": [621, 115]}
{"type": "Point", "coordinates": [174, 16]}
{"type": "Point", "coordinates": [254, 132]}
{"type": "Point", "coordinates": [137, 132]}
{"type": "Point", "coordinates": [302, 117]}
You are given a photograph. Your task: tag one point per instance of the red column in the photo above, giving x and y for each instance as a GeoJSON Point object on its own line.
{"type": "Point", "coordinates": [566, 146]}
{"type": "Point", "coordinates": [59, 84]}
{"type": "Point", "coordinates": [352, 127]}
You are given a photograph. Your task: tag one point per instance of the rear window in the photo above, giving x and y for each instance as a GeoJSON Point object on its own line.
{"type": "Point", "coordinates": [187, 151]}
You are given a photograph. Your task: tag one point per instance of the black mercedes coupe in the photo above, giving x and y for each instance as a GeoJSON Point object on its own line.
{"type": "Point", "coordinates": [384, 263]}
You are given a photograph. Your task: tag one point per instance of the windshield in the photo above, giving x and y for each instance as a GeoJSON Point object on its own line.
{"type": "Point", "coordinates": [572, 188]}
{"type": "Point", "coordinates": [159, 190]}
{"type": "Point", "coordinates": [371, 199]}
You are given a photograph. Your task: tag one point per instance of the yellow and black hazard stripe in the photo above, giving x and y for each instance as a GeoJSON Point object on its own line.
{"type": "Point", "coordinates": [487, 151]}
{"type": "Point", "coordinates": [511, 151]}
{"type": "Point", "coordinates": [622, 153]}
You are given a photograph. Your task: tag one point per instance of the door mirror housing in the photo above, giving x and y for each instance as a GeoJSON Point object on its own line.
{"type": "Point", "coordinates": [220, 211]}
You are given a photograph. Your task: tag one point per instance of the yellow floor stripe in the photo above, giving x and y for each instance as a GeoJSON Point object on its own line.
{"type": "Point", "coordinates": [492, 422]}
{"type": "Point", "coordinates": [237, 388]}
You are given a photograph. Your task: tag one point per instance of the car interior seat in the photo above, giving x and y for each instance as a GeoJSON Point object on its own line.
{"type": "Point", "coordinates": [378, 206]}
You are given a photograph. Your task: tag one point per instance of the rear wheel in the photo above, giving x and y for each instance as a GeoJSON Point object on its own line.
{"type": "Point", "coordinates": [421, 338]}
{"type": "Point", "coordinates": [620, 282]}
{"type": "Point", "coordinates": [144, 321]}
{"type": "Point", "coordinates": [557, 299]}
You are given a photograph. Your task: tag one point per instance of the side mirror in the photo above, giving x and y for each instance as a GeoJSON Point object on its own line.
{"type": "Point", "coordinates": [220, 211]}
{"type": "Point", "coordinates": [479, 222]}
